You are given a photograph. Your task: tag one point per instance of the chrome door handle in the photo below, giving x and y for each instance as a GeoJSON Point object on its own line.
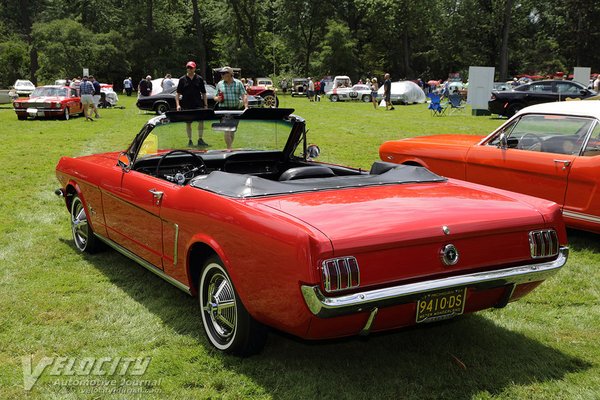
{"type": "Point", "coordinates": [565, 163]}
{"type": "Point", "coordinates": [157, 195]}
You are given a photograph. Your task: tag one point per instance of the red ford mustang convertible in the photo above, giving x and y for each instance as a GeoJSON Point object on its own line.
{"type": "Point", "coordinates": [265, 236]}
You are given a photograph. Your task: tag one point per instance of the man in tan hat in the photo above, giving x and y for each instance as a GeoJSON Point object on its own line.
{"type": "Point", "coordinates": [192, 90]}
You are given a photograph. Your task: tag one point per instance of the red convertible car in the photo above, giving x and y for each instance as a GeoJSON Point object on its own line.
{"type": "Point", "coordinates": [549, 150]}
{"type": "Point", "coordinates": [264, 236]}
{"type": "Point", "coordinates": [50, 101]}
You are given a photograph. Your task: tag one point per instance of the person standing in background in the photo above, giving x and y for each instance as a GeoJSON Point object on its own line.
{"type": "Point", "coordinates": [97, 94]}
{"type": "Point", "coordinates": [192, 90]}
{"type": "Point", "coordinates": [86, 89]}
{"type": "Point", "coordinates": [387, 92]}
{"type": "Point", "coordinates": [231, 95]}
{"type": "Point", "coordinates": [128, 85]}
{"type": "Point", "coordinates": [167, 83]}
{"type": "Point", "coordinates": [145, 86]}
{"type": "Point", "coordinates": [374, 89]}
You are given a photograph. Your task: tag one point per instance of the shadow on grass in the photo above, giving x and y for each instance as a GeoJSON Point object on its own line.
{"type": "Point", "coordinates": [451, 360]}
{"type": "Point", "coordinates": [582, 240]}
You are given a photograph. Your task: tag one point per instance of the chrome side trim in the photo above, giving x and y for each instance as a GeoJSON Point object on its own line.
{"type": "Point", "coordinates": [581, 216]}
{"type": "Point", "coordinates": [176, 243]}
{"type": "Point", "coordinates": [144, 263]}
{"type": "Point", "coordinates": [327, 307]}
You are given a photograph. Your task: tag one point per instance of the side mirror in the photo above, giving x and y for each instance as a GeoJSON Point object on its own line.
{"type": "Point", "coordinates": [312, 151]}
{"type": "Point", "coordinates": [584, 92]}
{"type": "Point", "coordinates": [503, 141]}
{"type": "Point", "coordinates": [124, 162]}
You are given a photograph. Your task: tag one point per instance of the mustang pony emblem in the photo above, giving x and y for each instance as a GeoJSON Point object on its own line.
{"type": "Point", "coordinates": [449, 255]}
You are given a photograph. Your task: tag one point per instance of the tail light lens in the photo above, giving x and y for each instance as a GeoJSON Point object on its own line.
{"type": "Point", "coordinates": [543, 243]}
{"type": "Point", "coordinates": [340, 274]}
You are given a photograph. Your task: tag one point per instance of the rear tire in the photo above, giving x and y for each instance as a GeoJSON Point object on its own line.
{"type": "Point", "coordinates": [161, 108]}
{"type": "Point", "coordinates": [83, 235]}
{"type": "Point", "coordinates": [227, 324]}
{"type": "Point", "coordinates": [334, 98]}
{"type": "Point", "coordinates": [66, 114]}
{"type": "Point", "coordinates": [366, 98]}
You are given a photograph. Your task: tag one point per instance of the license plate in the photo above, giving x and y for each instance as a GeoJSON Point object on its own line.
{"type": "Point", "coordinates": [441, 305]}
{"type": "Point", "coordinates": [32, 111]}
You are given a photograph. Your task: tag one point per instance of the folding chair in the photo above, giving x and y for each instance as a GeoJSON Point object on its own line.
{"type": "Point", "coordinates": [436, 107]}
{"type": "Point", "coordinates": [455, 102]}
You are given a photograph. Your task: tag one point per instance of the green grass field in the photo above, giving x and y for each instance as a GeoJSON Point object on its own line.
{"type": "Point", "coordinates": [55, 302]}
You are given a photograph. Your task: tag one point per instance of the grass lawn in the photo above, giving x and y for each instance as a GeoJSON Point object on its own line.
{"type": "Point", "coordinates": [55, 302]}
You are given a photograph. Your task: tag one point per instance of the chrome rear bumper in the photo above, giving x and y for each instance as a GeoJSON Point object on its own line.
{"type": "Point", "coordinates": [327, 307]}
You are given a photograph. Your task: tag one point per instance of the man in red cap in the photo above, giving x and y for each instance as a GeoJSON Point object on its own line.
{"type": "Point", "coordinates": [193, 95]}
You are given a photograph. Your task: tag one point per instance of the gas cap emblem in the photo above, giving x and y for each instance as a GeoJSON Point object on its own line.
{"type": "Point", "coordinates": [446, 230]}
{"type": "Point", "coordinates": [449, 255]}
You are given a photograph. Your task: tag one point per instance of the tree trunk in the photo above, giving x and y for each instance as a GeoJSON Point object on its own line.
{"type": "Point", "coordinates": [200, 36]}
{"type": "Point", "coordinates": [149, 19]}
{"type": "Point", "coordinates": [504, 46]}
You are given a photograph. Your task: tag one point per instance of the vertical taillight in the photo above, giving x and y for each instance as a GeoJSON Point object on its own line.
{"type": "Point", "coordinates": [340, 274]}
{"type": "Point", "coordinates": [543, 243]}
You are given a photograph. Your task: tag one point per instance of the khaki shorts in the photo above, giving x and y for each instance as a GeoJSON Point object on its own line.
{"type": "Point", "coordinates": [87, 99]}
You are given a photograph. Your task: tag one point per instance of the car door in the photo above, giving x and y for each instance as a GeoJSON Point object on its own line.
{"type": "Point", "coordinates": [540, 92]}
{"type": "Point", "coordinates": [566, 89]}
{"type": "Point", "coordinates": [582, 202]}
{"type": "Point", "coordinates": [133, 214]}
{"type": "Point", "coordinates": [527, 164]}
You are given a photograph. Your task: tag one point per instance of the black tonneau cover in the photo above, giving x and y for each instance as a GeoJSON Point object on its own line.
{"type": "Point", "coordinates": [245, 186]}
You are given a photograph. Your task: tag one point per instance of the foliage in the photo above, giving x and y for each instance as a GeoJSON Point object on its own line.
{"type": "Point", "coordinates": [408, 38]}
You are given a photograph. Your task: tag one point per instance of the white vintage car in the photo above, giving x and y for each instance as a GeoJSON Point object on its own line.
{"type": "Point", "coordinates": [356, 92]}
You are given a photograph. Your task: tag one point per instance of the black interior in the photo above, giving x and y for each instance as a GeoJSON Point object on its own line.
{"type": "Point", "coordinates": [265, 164]}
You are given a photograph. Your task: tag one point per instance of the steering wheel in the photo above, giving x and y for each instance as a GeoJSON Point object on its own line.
{"type": "Point", "coordinates": [180, 177]}
{"type": "Point", "coordinates": [530, 141]}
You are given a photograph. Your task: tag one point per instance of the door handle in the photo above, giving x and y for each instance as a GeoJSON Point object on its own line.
{"type": "Point", "coordinates": [565, 163]}
{"type": "Point", "coordinates": [157, 195]}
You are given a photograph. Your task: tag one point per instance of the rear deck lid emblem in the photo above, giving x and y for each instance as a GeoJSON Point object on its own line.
{"type": "Point", "coordinates": [449, 255]}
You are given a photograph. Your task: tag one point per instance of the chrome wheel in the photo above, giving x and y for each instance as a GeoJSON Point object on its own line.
{"type": "Point", "coordinates": [334, 98]}
{"type": "Point", "coordinates": [79, 224]}
{"type": "Point", "coordinates": [270, 101]}
{"type": "Point", "coordinates": [219, 306]}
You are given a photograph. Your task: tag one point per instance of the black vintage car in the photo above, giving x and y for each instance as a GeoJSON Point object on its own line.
{"type": "Point", "coordinates": [165, 101]}
{"type": "Point", "coordinates": [509, 102]}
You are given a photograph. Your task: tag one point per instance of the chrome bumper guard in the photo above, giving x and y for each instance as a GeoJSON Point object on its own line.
{"type": "Point", "coordinates": [328, 307]}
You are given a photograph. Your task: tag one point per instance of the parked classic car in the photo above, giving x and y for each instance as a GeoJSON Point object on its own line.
{"type": "Point", "coordinates": [8, 96]}
{"type": "Point", "coordinates": [267, 83]}
{"type": "Point", "coordinates": [299, 86]}
{"type": "Point", "coordinates": [49, 101]}
{"type": "Point", "coordinates": [356, 92]}
{"type": "Point", "coordinates": [269, 95]}
{"type": "Point", "coordinates": [509, 102]}
{"type": "Point", "coordinates": [165, 101]}
{"type": "Point", "coordinates": [265, 237]}
{"type": "Point", "coordinates": [23, 87]}
{"type": "Point", "coordinates": [550, 151]}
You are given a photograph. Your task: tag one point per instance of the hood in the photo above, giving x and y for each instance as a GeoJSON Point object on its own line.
{"type": "Point", "coordinates": [461, 140]}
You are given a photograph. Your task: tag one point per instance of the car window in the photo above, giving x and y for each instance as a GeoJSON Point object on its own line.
{"type": "Point", "coordinates": [541, 87]}
{"type": "Point", "coordinates": [592, 149]}
{"type": "Point", "coordinates": [551, 133]}
{"type": "Point", "coordinates": [567, 88]}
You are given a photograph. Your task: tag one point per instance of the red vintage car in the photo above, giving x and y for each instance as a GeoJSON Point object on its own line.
{"type": "Point", "coordinates": [265, 236]}
{"type": "Point", "coordinates": [50, 101]}
{"type": "Point", "coordinates": [549, 150]}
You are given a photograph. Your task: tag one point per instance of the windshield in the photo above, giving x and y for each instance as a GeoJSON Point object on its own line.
{"type": "Point", "coordinates": [24, 83]}
{"type": "Point", "coordinates": [246, 134]}
{"type": "Point", "coordinates": [49, 91]}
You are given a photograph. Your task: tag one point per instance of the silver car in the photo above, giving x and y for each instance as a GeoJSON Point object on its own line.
{"type": "Point", "coordinates": [23, 87]}
{"type": "Point", "coordinates": [356, 92]}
